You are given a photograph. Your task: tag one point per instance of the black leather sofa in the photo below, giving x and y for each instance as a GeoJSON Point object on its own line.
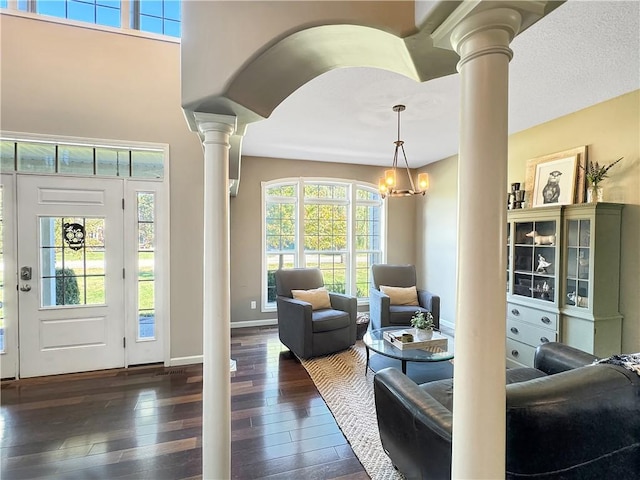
{"type": "Point", "coordinates": [565, 420]}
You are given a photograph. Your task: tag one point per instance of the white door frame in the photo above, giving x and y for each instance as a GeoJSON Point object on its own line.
{"type": "Point", "coordinates": [140, 351]}
{"type": "Point", "coordinates": [163, 226]}
{"type": "Point", "coordinates": [9, 360]}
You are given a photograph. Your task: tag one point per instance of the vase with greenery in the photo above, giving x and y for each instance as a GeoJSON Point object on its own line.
{"type": "Point", "coordinates": [423, 324]}
{"type": "Point", "coordinates": [595, 173]}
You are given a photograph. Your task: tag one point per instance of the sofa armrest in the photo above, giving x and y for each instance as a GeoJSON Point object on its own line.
{"type": "Point", "coordinates": [378, 308]}
{"type": "Point", "coordinates": [555, 357]}
{"type": "Point", "coordinates": [413, 425]}
{"type": "Point", "coordinates": [431, 302]}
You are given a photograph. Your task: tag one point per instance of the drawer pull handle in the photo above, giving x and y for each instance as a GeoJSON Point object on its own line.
{"type": "Point", "coordinates": [515, 353]}
{"type": "Point", "coordinates": [546, 320]}
{"type": "Point", "coordinates": [544, 339]}
{"type": "Point", "coordinates": [515, 311]}
{"type": "Point", "coordinates": [514, 330]}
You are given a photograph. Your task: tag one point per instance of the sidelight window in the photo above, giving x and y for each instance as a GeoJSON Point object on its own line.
{"type": "Point", "coordinates": [146, 265]}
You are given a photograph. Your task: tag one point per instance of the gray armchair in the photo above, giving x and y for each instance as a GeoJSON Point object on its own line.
{"type": "Point", "coordinates": [382, 313]}
{"type": "Point", "coordinates": [307, 332]}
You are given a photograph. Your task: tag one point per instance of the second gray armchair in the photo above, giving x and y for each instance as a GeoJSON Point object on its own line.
{"type": "Point", "coordinates": [383, 312]}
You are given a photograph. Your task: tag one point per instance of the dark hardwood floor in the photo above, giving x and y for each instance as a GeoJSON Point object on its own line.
{"type": "Point", "coordinates": [146, 422]}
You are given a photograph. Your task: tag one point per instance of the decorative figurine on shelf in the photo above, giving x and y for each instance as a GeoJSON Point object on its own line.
{"type": "Point", "coordinates": [577, 300]}
{"type": "Point", "coordinates": [541, 239]}
{"type": "Point", "coordinates": [515, 197]}
{"type": "Point", "coordinates": [546, 291]}
{"type": "Point", "coordinates": [542, 264]}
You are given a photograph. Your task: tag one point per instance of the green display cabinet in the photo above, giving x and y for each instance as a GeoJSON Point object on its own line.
{"type": "Point", "coordinates": [563, 279]}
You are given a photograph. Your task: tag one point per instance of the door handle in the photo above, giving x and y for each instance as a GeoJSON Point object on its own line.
{"type": "Point", "coordinates": [25, 288]}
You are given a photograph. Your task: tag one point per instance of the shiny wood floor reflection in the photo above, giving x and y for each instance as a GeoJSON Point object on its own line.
{"type": "Point", "coordinates": [146, 422]}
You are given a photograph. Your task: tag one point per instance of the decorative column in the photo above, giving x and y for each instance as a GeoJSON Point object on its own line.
{"type": "Point", "coordinates": [479, 426]}
{"type": "Point", "coordinates": [216, 385]}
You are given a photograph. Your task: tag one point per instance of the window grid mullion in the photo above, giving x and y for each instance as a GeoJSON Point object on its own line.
{"type": "Point", "coordinates": [300, 261]}
{"type": "Point", "coordinates": [351, 246]}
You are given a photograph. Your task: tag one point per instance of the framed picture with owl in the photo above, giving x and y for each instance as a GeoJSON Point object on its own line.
{"type": "Point", "coordinates": [556, 179]}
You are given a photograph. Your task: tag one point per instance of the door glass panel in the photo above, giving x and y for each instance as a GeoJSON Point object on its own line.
{"type": "Point", "coordinates": [95, 290]}
{"type": "Point", "coordinates": [72, 261]}
{"type": "Point", "coordinates": [146, 265]}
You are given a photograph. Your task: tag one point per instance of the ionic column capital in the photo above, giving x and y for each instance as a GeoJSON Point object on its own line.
{"type": "Point", "coordinates": [482, 27]}
{"type": "Point", "coordinates": [213, 122]}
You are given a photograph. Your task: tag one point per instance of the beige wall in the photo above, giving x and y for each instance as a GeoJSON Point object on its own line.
{"type": "Point", "coordinates": [73, 81]}
{"type": "Point", "coordinates": [246, 223]}
{"type": "Point", "coordinates": [437, 235]}
{"type": "Point", "coordinates": [610, 130]}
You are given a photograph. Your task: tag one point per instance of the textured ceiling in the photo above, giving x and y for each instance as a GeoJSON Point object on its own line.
{"type": "Point", "coordinates": [583, 53]}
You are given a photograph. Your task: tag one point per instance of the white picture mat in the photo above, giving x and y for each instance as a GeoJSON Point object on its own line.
{"type": "Point", "coordinates": [566, 181]}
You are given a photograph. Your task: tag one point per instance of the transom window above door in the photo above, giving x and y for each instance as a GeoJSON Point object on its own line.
{"type": "Point", "coordinates": [45, 157]}
{"type": "Point", "coordinates": [334, 225]}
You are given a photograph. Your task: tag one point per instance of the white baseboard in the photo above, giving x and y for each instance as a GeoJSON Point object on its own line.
{"type": "Point", "coordinates": [179, 361]}
{"type": "Point", "coordinates": [255, 323]}
{"type": "Point", "coordinates": [447, 324]}
{"type": "Point", "coordinates": [176, 362]}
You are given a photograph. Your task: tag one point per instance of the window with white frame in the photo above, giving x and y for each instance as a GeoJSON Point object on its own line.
{"type": "Point", "coordinates": [334, 225]}
{"type": "Point", "coordinates": [154, 16]}
{"type": "Point", "coordinates": [157, 16]}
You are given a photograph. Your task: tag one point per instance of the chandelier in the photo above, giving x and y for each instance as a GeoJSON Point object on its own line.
{"type": "Point", "coordinates": [388, 184]}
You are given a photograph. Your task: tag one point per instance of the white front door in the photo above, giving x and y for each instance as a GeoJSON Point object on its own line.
{"type": "Point", "coordinates": [70, 274]}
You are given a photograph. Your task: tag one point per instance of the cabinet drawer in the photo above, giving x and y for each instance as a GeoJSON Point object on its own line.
{"type": "Point", "coordinates": [529, 334]}
{"type": "Point", "coordinates": [520, 353]}
{"type": "Point", "coordinates": [533, 316]}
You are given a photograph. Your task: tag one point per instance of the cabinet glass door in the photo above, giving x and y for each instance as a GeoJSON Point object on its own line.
{"type": "Point", "coordinates": [534, 266]}
{"type": "Point", "coordinates": [578, 258]}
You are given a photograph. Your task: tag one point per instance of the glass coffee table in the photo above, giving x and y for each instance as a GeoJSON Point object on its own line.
{"type": "Point", "coordinates": [391, 356]}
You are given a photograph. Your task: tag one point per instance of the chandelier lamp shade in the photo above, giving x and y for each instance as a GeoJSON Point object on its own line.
{"type": "Point", "coordinates": [388, 185]}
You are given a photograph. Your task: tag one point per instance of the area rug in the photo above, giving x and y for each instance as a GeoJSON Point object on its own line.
{"type": "Point", "coordinates": [348, 393]}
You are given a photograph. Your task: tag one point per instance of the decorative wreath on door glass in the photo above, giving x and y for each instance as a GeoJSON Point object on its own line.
{"type": "Point", "coordinates": [73, 235]}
